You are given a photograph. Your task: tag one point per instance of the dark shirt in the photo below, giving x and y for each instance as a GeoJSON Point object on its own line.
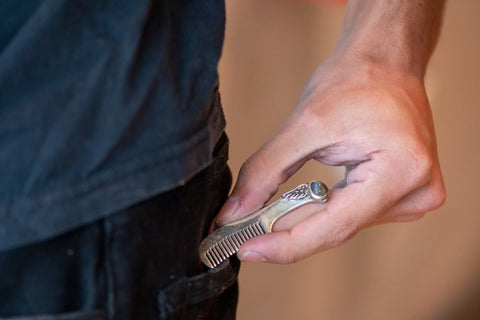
{"type": "Point", "coordinates": [103, 103]}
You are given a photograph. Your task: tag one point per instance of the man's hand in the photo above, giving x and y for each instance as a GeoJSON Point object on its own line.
{"type": "Point", "coordinates": [366, 112]}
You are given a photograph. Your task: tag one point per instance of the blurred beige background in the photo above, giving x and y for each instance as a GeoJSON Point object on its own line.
{"type": "Point", "coordinates": [428, 269]}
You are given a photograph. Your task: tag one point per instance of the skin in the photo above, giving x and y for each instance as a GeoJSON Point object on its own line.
{"type": "Point", "coordinates": [364, 108]}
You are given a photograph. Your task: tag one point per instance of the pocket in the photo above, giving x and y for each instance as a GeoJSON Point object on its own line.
{"type": "Point", "coordinates": [76, 315]}
{"type": "Point", "coordinates": [209, 295]}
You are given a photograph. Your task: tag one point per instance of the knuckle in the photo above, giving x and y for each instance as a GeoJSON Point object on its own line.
{"type": "Point", "coordinates": [290, 255]}
{"type": "Point", "coordinates": [421, 166]}
{"type": "Point", "coordinates": [254, 166]}
{"type": "Point", "coordinates": [436, 197]}
{"type": "Point", "coordinates": [248, 166]}
{"type": "Point", "coordinates": [292, 252]}
{"type": "Point", "coordinates": [425, 174]}
{"type": "Point", "coordinates": [344, 233]}
{"type": "Point", "coordinates": [411, 217]}
{"type": "Point", "coordinates": [292, 258]}
{"type": "Point", "coordinates": [439, 198]}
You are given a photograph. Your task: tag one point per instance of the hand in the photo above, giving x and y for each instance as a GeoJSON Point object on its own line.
{"type": "Point", "coordinates": [355, 113]}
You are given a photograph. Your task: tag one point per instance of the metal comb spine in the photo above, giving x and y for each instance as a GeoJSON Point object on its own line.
{"type": "Point", "coordinates": [226, 241]}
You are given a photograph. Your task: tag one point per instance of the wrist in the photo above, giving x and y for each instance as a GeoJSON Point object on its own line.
{"type": "Point", "coordinates": [398, 35]}
{"type": "Point", "coordinates": [373, 61]}
{"type": "Point", "coordinates": [363, 69]}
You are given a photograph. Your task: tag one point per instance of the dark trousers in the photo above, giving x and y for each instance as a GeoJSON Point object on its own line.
{"type": "Point", "coordinates": [140, 263]}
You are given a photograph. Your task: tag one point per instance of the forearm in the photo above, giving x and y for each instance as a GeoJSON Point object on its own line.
{"type": "Point", "coordinates": [398, 34]}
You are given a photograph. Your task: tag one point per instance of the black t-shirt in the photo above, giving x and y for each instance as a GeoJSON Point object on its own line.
{"type": "Point", "coordinates": [102, 104]}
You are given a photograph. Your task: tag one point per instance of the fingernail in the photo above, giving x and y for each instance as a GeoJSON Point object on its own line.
{"type": "Point", "coordinates": [228, 210]}
{"type": "Point", "coordinates": [251, 256]}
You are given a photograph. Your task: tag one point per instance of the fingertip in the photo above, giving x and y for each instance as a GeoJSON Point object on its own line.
{"type": "Point", "coordinates": [274, 247]}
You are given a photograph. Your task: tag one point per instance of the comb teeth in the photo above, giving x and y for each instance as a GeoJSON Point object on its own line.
{"type": "Point", "coordinates": [229, 245]}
